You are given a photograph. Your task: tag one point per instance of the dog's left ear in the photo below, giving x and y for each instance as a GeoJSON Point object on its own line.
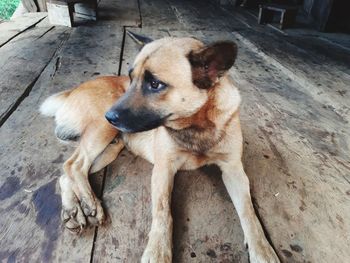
{"type": "Point", "coordinates": [139, 39]}
{"type": "Point", "coordinates": [211, 62]}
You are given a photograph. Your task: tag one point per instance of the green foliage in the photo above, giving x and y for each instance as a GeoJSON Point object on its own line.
{"type": "Point", "coordinates": [7, 8]}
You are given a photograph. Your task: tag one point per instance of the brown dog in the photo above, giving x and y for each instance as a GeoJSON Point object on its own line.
{"type": "Point", "coordinates": [178, 109]}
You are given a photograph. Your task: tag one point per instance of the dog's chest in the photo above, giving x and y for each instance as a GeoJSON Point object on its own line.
{"type": "Point", "coordinates": [196, 140]}
{"type": "Point", "coordinates": [140, 144]}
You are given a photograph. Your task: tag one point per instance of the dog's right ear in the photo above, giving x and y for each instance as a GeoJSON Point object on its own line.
{"type": "Point", "coordinates": [139, 39]}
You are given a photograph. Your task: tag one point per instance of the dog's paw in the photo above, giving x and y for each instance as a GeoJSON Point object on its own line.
{"type": "Point", "coordinates": [73, 217]}
{"type": "Point", "coordinates": [158, 250]}
{"type": "Point", "coordinates": [153, 255]}
{"type": "Point", "coordinates": [93, 211]}
{"type": "Point", "coordinates": [263, 253]}
{"type": "Point", "coordinates": [78, 214]}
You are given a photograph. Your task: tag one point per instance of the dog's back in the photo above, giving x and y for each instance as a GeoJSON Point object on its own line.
{"type": "Point", "coordinates": [84, 105]}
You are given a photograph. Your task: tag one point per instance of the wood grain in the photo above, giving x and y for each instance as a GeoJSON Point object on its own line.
{"type": "Point", "coordinates": [31, 160]}
{"type": "Point", "coordinates": [295, 121]}
{"type": "Point", "coordinates": [125, 13]}
{"type": "Point", "coordinates": [22, 62]}
{"type": "Point", "coordinates": [12, 28]}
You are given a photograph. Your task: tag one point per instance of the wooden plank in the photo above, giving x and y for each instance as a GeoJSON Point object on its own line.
{"type": "Point", "coordinates": [288, 140]}
{"type": "Point", "coordinates": [203, 15]}
{"type": "Point", "coordinates": [126, 197]}
{"type": "Point", "coordinates": [315, 60]}
{"type": "Point", "coordinates": [337, 39]}
{"type": "Point", "coordinates": [12, 28]}
{"type": "Point", "coordinates": [300, 140]}
{"type": "Point", "coordinates": [126, 13]}
{"type": "Point", "coordinates": [126, 194]}
{"type": "Point", "coordinates": [152, 17]}
{"type": "Point", "coordinates": [303, 104]}
{"type": "Point", "coordinates": [326, 77]}
{"type": "Point", "coordinates": [295, 143]}
{"type": "Point", "coordinates": [31, 158]}
{"type": "Point", "coordinates": [206, 226]}
{"type": "Point", "coordinates": [22, 61]}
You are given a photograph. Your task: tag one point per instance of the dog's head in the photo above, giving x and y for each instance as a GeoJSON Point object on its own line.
{"type": "Point", "coordinates": [169, 80]}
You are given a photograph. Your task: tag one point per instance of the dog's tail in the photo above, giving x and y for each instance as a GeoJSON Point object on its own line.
{"type": "Point", "coordinates": [53, 103]}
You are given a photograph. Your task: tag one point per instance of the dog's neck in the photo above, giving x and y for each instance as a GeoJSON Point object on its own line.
{"type": "Point", "coordinates": [206, 128]}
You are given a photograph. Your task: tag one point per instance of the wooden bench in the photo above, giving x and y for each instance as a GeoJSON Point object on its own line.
{"type": "Point", "coordinates": [61, 12]}
{"type": "Point", "coordinates": [288, 14]}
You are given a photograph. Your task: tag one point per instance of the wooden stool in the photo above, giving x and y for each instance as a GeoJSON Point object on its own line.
{"type": "Point", "coordinates": [288, 14]}
{"type": "Point", "coordinates": [60, 12]}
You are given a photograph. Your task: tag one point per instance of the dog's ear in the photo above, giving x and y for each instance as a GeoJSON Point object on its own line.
{"type": "Point", "coordinates": [139, 39]}
{"type": "Point", "coordinates": [211, 62]}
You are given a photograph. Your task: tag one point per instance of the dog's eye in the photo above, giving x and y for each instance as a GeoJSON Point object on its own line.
{"type": "Point", "coordinates": [155, 84]}
{"type": "Point", "coordinates": [152, 84]}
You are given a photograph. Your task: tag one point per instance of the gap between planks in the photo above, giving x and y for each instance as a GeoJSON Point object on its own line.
{"type": "Point", "coordinates": [29, 88]}
{"type": "Point", "coordinates": [21, 31]}
{"type": "Point", "coordinates": [121, 56]}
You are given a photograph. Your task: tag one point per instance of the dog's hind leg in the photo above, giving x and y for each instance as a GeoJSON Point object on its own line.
{"type": "Point", "coordinates": [237, 184]}
{"type": "Point", "coordinates": [93, 142]}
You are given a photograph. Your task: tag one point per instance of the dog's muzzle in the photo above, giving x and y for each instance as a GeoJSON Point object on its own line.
{"type": "Point", "coordinates": [129, 121]}
{"type": "Point", "coordinates": [112, 117]}
{"type": "Point", "coordinates": [115, 118]}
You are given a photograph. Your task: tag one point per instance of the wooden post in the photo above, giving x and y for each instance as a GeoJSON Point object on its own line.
{"type": "Point", "coordinates": [60, 13]}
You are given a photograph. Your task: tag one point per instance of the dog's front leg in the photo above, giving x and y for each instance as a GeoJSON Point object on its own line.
{"type": "Point", "coordinates": [159, 247]}
{"type": "Point", "coordinates": [237, 184]}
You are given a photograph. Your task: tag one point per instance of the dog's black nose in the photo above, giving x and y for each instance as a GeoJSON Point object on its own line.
{"type": "Point", "coordinates": [112, 116]}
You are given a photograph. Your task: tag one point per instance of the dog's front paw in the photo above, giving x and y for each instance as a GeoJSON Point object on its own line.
{"type": "Point", "coordinates": [93, 211]}
{"type": "Point", "coordinates": [262, 252]}
{"type": "Point", "coordinates": [73, 217]}
{"type": "Point", "coordinates": [158, 250]}
{"type": "Point", "coordinates": [77, 214]}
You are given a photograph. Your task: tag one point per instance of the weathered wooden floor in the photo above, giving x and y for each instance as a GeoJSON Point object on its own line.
{"type": "Point", "coordinates": [295, 118]}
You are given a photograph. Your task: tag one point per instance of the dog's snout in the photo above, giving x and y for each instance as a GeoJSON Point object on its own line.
{"type": "Point", "coordinates": [112, 116]}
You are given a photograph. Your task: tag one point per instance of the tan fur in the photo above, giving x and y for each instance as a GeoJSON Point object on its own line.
{"type": "Point", "coordinates": [203, 128]}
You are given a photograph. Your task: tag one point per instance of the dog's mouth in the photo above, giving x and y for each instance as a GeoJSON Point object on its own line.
{"type": "Point", "coordinates": [128, 121]}
{"type": "Point", "coordinates": [120, 127]}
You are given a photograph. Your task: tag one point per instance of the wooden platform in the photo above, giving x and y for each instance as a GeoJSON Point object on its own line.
{"type": "Point", "coordinates": [295, 118]}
